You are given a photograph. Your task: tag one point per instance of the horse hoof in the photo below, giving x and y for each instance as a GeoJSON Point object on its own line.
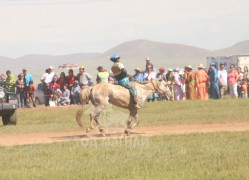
{"type": "Point", "coordinates": [127, 132]}
{"type": "Point", "coordinates": [101, 130]}
{"type": "Point", "coordinates": [86, 135]}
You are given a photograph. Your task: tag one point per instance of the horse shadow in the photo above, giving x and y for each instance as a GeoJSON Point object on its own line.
{"type": "Point", "coordinates": [97, 135]}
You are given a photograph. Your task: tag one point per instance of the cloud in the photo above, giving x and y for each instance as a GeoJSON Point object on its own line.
{"type": "Point", "coordinates": [46, 2]}
{"type": "Point", "coordinates": [97, 25]}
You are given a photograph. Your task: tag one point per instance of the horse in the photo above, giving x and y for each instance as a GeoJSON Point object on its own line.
{"type": "Point", "coordinates": [106, 93]}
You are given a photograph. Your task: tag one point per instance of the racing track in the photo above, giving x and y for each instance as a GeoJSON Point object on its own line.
{"type": "Point", "coordinates": [79, 134]}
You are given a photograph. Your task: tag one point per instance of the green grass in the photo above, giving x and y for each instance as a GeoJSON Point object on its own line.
{"type": "Point", "coordinates": [157, 113]}
{"type": "Point", "coordinates": [194, 156]}
{"type": "Point", "coordinates": [189, 112]}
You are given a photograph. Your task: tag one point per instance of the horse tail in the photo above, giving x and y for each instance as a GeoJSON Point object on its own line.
{"type": "Point", "coordinates": [78, 117]}
{"type": "Point", "coordinates": [85, 97]}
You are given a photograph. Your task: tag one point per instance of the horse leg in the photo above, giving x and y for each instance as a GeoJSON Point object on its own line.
{"type": "Point", "coordinates": [97, 113]}
{"type": "Point", "coordinates": [91, 127]}
{"type": "Point", "coordinates": [130, 126]}
{"type": "Point", "coordinates": [137, 121]}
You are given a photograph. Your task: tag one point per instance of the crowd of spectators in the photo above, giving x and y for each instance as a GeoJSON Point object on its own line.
{"type": "Point", "coordinates": [203, 84]}
{"type": "Point", "coordinates": [64, 90]}
{"type": "Point", "coordinates": [23, 87]}
{"type": "Point", "coordinates": [183, 83]}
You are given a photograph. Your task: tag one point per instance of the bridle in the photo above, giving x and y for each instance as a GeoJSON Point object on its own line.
{"type": "Point", "coordinates": [156, 87]}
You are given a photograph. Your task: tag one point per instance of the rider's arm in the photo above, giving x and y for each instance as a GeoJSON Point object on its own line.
{"type": "Point", "coordinates": [124, 71]}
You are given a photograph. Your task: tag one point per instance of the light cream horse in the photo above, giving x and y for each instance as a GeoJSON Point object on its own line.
{"type": "Point", "coordinates": [104, 93]}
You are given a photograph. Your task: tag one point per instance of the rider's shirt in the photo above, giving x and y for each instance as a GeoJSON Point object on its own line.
{"type": "Point", "coordinates": [116, 70]}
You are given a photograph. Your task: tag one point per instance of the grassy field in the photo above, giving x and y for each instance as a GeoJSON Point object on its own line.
{"type": "Point", "coordinates": [157, 113]}
{"type": "Point", "coordinates": [194, 156]}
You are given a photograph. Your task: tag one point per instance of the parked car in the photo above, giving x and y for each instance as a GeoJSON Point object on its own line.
{"type": "Point", "coordinates": [39, 95]}
{"type": "Point", "coordinates": [8, 110]}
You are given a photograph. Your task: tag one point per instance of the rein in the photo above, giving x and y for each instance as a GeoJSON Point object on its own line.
{"type": "Point", "coordinates": [157, 89]}
{"type": "Point", "coordinates": [154, 89]}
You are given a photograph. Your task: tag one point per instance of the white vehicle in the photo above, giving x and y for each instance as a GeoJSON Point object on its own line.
{"type": "Point", "coordinates": [39, 95]}
{"type": "Point", "coordinates": [237, 60]}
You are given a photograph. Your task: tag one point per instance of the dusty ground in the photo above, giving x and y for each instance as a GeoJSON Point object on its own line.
{"type": "Point", "coordinates": [79, 134]}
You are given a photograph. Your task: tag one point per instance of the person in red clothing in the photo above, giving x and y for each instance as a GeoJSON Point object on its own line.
{"type": "Point", "coordinates": [70, 81]}
{"type": "Point", "coordinates": [244, 89]}
{"type": "Point", "coordinates": [52, 85]}
{"type": "Point", "coordinates": [31, 94]}
{"type": "Point", "coordinates": [62, 80]}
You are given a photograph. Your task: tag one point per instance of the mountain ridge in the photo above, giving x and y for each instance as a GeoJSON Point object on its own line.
{"type": "Point", "coordinates": [133, 54]}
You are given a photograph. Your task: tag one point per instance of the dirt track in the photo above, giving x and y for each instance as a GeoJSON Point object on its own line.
{"type": "Point", "coordinates": [79, 134]}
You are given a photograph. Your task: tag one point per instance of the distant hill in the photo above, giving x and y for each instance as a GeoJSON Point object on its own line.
{"type": "Point", "coordinates": [239, 48]}
{"type": "Point", "coordinates": [36, 64]}
{"type": "Point", "coordinates": [133, 55]}
{"type": "Point", "coordinates": [161, 54]}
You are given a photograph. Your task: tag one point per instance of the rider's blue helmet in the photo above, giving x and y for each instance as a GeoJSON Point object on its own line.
{"type": "Point", "coordinates": [114, 57]}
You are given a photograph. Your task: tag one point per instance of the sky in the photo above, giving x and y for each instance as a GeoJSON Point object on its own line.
{"type": "Point", "coordinates": [58, 27]}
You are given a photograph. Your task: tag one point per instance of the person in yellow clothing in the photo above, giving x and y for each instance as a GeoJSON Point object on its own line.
{"type": "Point", "coordinates": [190, 83]}
{"type": "Point", "coordinates": [202, 83]}
{"type": "Point", "coordinates": [10, 84]}
{"type": "Point", "coordinates": [102, 76]}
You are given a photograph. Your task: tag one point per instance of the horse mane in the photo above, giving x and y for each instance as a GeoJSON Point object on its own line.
{"type": "Point", "coordinates": [142, 82]}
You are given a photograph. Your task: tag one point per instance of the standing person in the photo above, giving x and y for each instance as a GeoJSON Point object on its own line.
{"type": "Point", "coordinates": [70, 82]}
{"type": "Point", "coordinates": [138, 76]}
{"type": "Point", "coordinates": [201, 83]}
{"type": "Point", "coordinates": [84, 78]}
{"type": "Point", "coordinates": [102, 76]}
{"type": "Point", "coordinates": [246, 77]}
{"type": "Point", "coordinates": [46, 79]}
{"type": "Point", "coordinates": [232, 81]}
{"type": "Point", "coordinates": [20, 90]}
{"type": "Point", "coordinates": [177, 85]}
{"type": "Point", "coordinates": [170, 80]}
{"type": "Point", "coordinates": [214, 84]}
{"type": "Point", "coordinates": [190, 83]}
{"type": "Point", "coordinates": [244, 89]}
{"type": "Point", "coordinates": [148, 63]}
{"type": "Point", "coordinates": [120, 74]}
{"type": "Point", "coordinates": [161, 75]}
{"type": "Point", "coordinates": [75, 92]}
{"type": "Point", "coordinates": [170, 75]}
{"type": "Point", "coordinates": [62, 80]}
{"type": "Point", "coordinates": [10, 84]}
{"type": "Point", "coordinates": [27, 78]}
{"type": "Point", "coordinates": [183, 85]}
{"type": "Point", "coordinates": [52, 71]}
{"type": "Point", "coordinates": [149, 75]}
{"type": "Point", "coordinates": [239, 82]}
{"type": "Point", "coordinates": [31, 94]}
{"type": "Point", "coordinates": [222, 77]}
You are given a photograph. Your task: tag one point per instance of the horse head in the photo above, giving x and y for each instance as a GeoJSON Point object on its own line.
{"type": "Point", "coordinates": [162, 87]}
